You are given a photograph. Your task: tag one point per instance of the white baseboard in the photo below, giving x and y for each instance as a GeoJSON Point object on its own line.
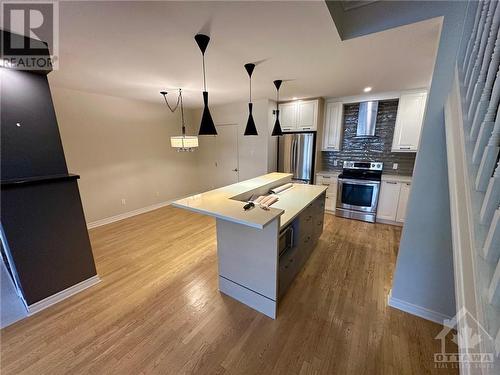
{"type": "Point", "coordinates": [419, 311]}
{"type": "Point", "coordinates": [390, 222]}
{"type": "Point", "coordinates": [63, 294]}
{"type": "Point", "coordinates": [126, 215]}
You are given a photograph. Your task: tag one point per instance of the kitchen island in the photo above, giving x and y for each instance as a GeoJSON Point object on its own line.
{"type": "Point", "coordinates": [260, 251]}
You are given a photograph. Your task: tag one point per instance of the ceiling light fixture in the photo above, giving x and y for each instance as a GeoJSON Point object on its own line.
{"type": "Point", "coordinates": [367, 89]}
{"type": "Point", "coordinates": [181, 142]}
{"type": "Point", "coordinates": [250, 128]}
{"type": "Point", "coordinates": [207, 126]}
{"type": "Point", "coordinates": [294, 98]}
{"type": "Point", "coordinates": [277, 127]}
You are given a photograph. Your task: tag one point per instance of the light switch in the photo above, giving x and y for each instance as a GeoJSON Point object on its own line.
{"type": "Point", "coordinates": [395, 165]}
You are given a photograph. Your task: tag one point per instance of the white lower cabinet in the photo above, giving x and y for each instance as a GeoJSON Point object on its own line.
{"type": "Point", "coordinates": [331, 201]}
{"type": "Point", "coordinates": [392, 201]}
{"type": "Point", "coordinates": [403, 201]}
{"type": "Point", "coordinates": [331, 192]}
{"type": "Point", "coordinates": [388, 200]}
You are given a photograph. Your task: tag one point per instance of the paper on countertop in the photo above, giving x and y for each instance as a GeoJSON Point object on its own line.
{"type": "Point", "coordinates": [259, 199]}
{"type": "Point", "coordinates": [265, 201]}
{"type": "Point", "coordinates": [281, 188]}
{"type": "Point", "coordinates": [272, 199]}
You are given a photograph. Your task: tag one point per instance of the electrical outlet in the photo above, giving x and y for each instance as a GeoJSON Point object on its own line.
{"type": "Point", "coordinates": [335, 162]}
{"type": "Point", "coordinates": [395, 165]}
{"type": "Point", "coordinates": [124, 201]}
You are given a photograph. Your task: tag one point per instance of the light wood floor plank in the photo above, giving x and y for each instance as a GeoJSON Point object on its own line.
{"type": "Point", "coordinates": [158, 310]}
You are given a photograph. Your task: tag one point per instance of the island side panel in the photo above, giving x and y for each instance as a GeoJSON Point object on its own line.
{"type": "Point", "coordinates": [248, 264]}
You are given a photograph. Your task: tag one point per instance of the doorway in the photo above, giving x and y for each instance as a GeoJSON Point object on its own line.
{"type": "Point", "coordinates": [226, 155]}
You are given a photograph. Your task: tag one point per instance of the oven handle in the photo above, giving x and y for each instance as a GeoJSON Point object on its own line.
{"type": "Point", "coordinates": [359, 182]}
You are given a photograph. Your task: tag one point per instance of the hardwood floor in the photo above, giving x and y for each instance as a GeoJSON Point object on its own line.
{"type": "Point", "coordinates": [158, 310]}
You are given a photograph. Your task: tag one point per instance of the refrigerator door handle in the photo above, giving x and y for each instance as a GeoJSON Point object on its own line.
{"type": "Point", "coordinates": [294, 156]}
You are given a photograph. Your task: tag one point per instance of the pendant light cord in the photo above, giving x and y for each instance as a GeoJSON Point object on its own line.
{"type": "Point", "coordinates": [179, 101]}
{"type": "Point", "coordinates": [250, 89]}
{"type": "Point", "coordinates": [176, 104]}
{"type": "Point", "coordinates": [204, 78]}
{"type": "Point", "coordinates": [182, 115]}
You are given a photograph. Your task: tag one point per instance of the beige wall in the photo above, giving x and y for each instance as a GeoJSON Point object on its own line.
{"type": "Point", "coordinates": [121, 149]}
{"type": "Point", "coordinates": [256, 154]}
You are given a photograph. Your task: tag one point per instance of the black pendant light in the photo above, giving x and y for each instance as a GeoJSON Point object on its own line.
{"type": "Point", "coordinates": [207, 126]}
{"type": "Point", "coordinates": [250, 128]}
{"type": "Point", "coordinates": [277, 127]}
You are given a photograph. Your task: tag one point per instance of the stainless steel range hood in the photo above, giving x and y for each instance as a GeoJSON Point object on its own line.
{"type": "Point", "coordinates": [367, 119]}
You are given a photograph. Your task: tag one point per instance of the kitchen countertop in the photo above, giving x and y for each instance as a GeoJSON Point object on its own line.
{"type": "Point", "coordinates": [222, 203]}
{"type": "Point", "coordinates": [396, 177]}
{"type": "Point", "coordinates": [331, 173]}
{"type": "Point", "coordinates": [385, 176]}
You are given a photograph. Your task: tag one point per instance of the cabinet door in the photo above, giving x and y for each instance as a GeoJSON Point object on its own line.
{"type": "Point", "coordinates": [331, 192]}
{"type": "Point", "coordinates": [329, 203]}
{"type": "Point", "coordinates": [307, 113]}
{"type": "Point", "coordinates": [409, 122]}
{"type": "Point", "coordinates": [388, 200]}
{"type": "Point", "coordinates": [332, 132]}
{"type": "Point", "coordinates": [288, 116]}
{"type": "Point", "coordinates": [403, 201]}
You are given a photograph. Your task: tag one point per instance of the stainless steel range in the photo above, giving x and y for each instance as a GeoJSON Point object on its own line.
{"type": "Point", "coordinates": [358, 190]}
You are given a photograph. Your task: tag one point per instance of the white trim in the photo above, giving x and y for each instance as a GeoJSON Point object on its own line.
{"type": "Point", "coordinates": [461, 210]}
{"type": "Point", "coordinates": [126, 215]}
{"type": "Point", "coordinates": [419, 311]}
{"type": "Point", "coordinates": [248, 297]}
{"type": "Point", "coordinates": [389, 222]}
{"type": "Point", "coordinates": [63, 294]}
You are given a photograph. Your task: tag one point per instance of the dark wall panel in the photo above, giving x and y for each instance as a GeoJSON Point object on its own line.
{"type": "Point", "coordinates": [34, 148]}
{"type": "Point", "coordinates": [47, 237]}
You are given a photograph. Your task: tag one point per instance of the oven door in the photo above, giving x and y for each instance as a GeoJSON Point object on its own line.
{"type": "Point", "coordinates": [358, 195]}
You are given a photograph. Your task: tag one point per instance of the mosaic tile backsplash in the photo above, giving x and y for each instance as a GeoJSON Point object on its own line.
{"type": "Point", "coordinates": [370, 149]}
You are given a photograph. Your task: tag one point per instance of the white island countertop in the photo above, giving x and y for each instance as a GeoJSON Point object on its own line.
{"type": "Point", "coordinates": [223, 203]}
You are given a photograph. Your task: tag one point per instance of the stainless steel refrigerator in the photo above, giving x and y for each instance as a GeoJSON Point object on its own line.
{"type": "Point", "coordinates": [296, 155]}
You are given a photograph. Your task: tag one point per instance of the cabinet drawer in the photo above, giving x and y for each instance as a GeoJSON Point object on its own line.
{"type": "Point", "coordinates": [306, 222]}
{"type": "Point", "coordinates": [289, 266]}
{"type": "Point", "coordinates": [332, 188]}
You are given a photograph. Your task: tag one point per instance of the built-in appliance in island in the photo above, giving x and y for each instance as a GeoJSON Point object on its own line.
{"type": "Point", "coordinates": [358, 190]}
{"type": "Point", "coordinates": [260, 251]}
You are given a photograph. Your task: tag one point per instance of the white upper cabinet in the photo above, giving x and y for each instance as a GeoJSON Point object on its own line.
{"type": "Point", "coordinates": [288, 116]}
{"type": "Point", "coordinates": [409, 122]}
{"type": "Point", "coordinates": [332, 131]}
{"type": "Point", "coordinates": [301, 115]}
{"type": "Point", "coordinates": [307, 115]}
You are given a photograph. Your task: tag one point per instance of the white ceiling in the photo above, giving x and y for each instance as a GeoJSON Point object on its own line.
{"type": "Point", "coordinates": [135, 49]}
